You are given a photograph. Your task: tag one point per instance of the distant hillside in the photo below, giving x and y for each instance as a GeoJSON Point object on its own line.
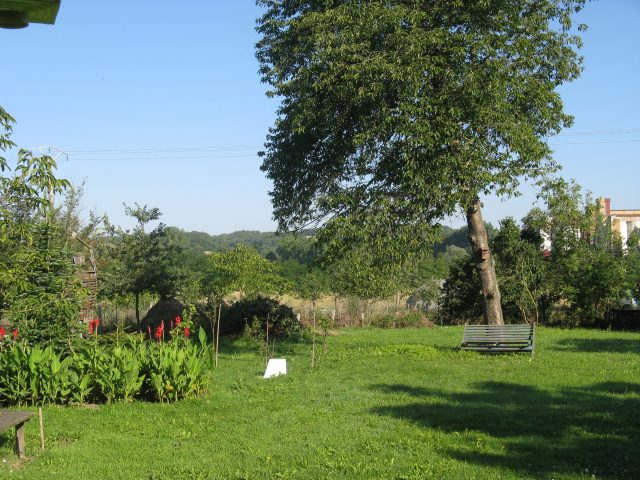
{"type": "Point", "coordinates": [263, 242]}
{"type": "Point", "coordinates": [268, 242]}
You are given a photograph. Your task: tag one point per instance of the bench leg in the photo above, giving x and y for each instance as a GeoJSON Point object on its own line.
{"type": "Point", "coordinates": [20, 440]}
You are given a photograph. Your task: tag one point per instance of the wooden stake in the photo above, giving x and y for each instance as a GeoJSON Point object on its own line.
{"type": "Point", "coordinates": [267, 344]}
{"type": "Point", "coordinates": [313, 348]}
{"type": "Point", "coordinates": [41, 428]}
{"type": "Point", "coordinates": [218, 332]}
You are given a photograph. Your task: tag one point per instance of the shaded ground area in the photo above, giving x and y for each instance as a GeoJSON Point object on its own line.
{"type": "Point", "coordinates": [599, 345]}
{"type": "Point", "coordinates": [594, 428]}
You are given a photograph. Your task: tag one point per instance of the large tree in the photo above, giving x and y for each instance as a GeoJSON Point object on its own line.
{"type": "Point", "coordinates": [396, 113]}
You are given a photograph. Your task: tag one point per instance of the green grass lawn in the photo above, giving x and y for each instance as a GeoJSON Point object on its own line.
{"type": "Point", "coordinates": [396, 404]}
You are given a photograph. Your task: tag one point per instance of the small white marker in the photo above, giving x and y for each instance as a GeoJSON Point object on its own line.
{"type": "Point", "coordinates": [275, 367]}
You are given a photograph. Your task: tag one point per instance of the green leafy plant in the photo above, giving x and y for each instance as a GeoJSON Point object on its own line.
{"type": "Point", "coordinates": [118, 373]}
{"type": "Point", "coordinates": [121, 369]}
{"type": "Point", "coordinates": [33, 375]}
{"type": "Point", "coordinates": [177, 369]}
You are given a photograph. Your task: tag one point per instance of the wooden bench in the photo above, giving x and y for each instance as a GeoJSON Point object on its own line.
{"type": "Point", "coordinates": [10, 418]}
{"type": "Point", "coordinates": [499, 338]}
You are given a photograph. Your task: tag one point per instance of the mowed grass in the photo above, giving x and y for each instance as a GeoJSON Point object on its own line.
{"type": "Point", "coordinates": [402, 404]}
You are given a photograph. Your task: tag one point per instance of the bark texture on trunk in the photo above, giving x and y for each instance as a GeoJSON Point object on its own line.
{"type": "Point", "coordinates": [484, 261]}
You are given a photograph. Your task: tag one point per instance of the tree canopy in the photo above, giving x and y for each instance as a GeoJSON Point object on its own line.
{"type": "Point", "coordinates": [409, 107]}
{"type": "Point", "coordinates": [396, 113]}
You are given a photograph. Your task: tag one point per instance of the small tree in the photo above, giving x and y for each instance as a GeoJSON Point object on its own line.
{"type": "Point", "coordinates": [39, 291]}
{"type": "Point", "coordinates": [139, 262]}
{"type": "Point", "coordinates": [240, 270]}
{"type": "Point", "coordinates": [312, 286]}
{"type": "Point", "coordinates": [363, 274]}
{"type": "Point", "coordinates": [523, 270]}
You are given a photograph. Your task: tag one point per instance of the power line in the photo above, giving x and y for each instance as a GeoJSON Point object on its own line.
{"type": "Point", "coordinates": [595, 141]}
{"type": "Point", "coordinates": [236, 151]}
{"type": "Point", "coordinates": [161, 150]}
{"type": "Point", "coordinates": [599, 132]}
{"type": "Point", "coordinates": [179, 157]}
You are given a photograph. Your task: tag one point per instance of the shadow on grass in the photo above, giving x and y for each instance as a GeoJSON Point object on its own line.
{"type": "Point", "coordinates": [598, 345]}
{"type": "Point", "coordinates": [7, 438]}
{"type": "Point", "coordinates": [595, 429]}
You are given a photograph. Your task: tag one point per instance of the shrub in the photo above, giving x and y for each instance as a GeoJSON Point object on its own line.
{"type": "Point", "coordinates": [282, 320]}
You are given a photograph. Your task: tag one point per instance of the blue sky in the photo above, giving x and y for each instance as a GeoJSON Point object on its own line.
{"type": "Point", "coordinates": [160, 103]}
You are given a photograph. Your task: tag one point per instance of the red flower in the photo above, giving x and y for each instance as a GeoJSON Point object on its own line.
{"type": "Point", "coordinates": [149, 330]}
{"type": "Point", "coordinates": [159, 331]}
{"type": "Point", "coordinates": [2, 333]}
{"type": "Point", "coordinates": [178, 320]}
{"type": "Point", "coordinates": [186, 332]}
{"type": "Point", "coordinates": [93, 326]}
{"type": "Point", "coordinates": [15, 333]}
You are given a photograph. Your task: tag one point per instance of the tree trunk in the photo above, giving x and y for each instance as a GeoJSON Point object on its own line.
{"type": "Point", "coordinates": [137, 309]}
{"type": "Point", "coordinates": [484, 261]}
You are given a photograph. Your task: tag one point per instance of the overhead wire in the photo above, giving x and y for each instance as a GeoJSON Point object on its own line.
{"type": "Point", "coordinates": [251, 151]}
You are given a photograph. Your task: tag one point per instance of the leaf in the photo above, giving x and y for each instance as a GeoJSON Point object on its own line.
{"type": "Point", "coordinates": [202, 337]}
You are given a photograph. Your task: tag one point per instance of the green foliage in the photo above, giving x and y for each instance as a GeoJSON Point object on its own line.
{"type": "Point", "coordinates": [242, 270]}
{"type": "Point", "coordinates": [461, 294]}
{"type": "Point", "coordinates": [33, 375]}
{"type": "Point", "coordinates": [39, 291]}
{"type": "Point", "coordinates": [400, 320]}
{"type": "Point", "coordinates": [176, 373]}
{"type": "Point", "coordinates": [523, 269]}
{"type": "Point", "coordinates": [367, 275]}
{"type": "Point", "coordinates": [313, 285]}
{"type": "Point", "coordinates": [577, 281]}
{"type": "Point", "coordinates": [586, 266]}
{"type": "Point", "coordinates": [117, 371]}
{"type": "Point", "coordinates": [42, 293]}
{"type": "Point", "coordinates": [633, 274]}
{"type": "Point", "coordinates": [99, 372]}
{"type": "Point", "coordinates": [325, 323]}
{"type": "Point", "coordinates": [282, 320]}
{"type": "Point", "coordinates": [256, 334]}
{"type": "Point", "coordinates": [394, 114]}
{"type": "Point", "coordinates": [301, 248]}
{"type": "Point", "coordinates": [140, 262]}
{"type": "Point", "coordinates": [6, 127]}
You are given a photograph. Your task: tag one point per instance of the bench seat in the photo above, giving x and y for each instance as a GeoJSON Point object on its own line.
{"type": "Point", "coordinates": [12, 418]}
{"type": "Point", "coordinates": [499, 338]}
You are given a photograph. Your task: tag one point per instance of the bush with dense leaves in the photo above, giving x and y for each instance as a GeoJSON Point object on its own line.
{"type": "Point", "coordinates": [282, 319]}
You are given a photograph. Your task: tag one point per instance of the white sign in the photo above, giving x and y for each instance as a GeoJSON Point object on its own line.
{"type": "Point", "coordinates": [275, 367]}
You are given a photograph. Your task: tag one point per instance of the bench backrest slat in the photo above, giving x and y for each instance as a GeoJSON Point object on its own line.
{"type": "Point", "coordinates": [499, 337]}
